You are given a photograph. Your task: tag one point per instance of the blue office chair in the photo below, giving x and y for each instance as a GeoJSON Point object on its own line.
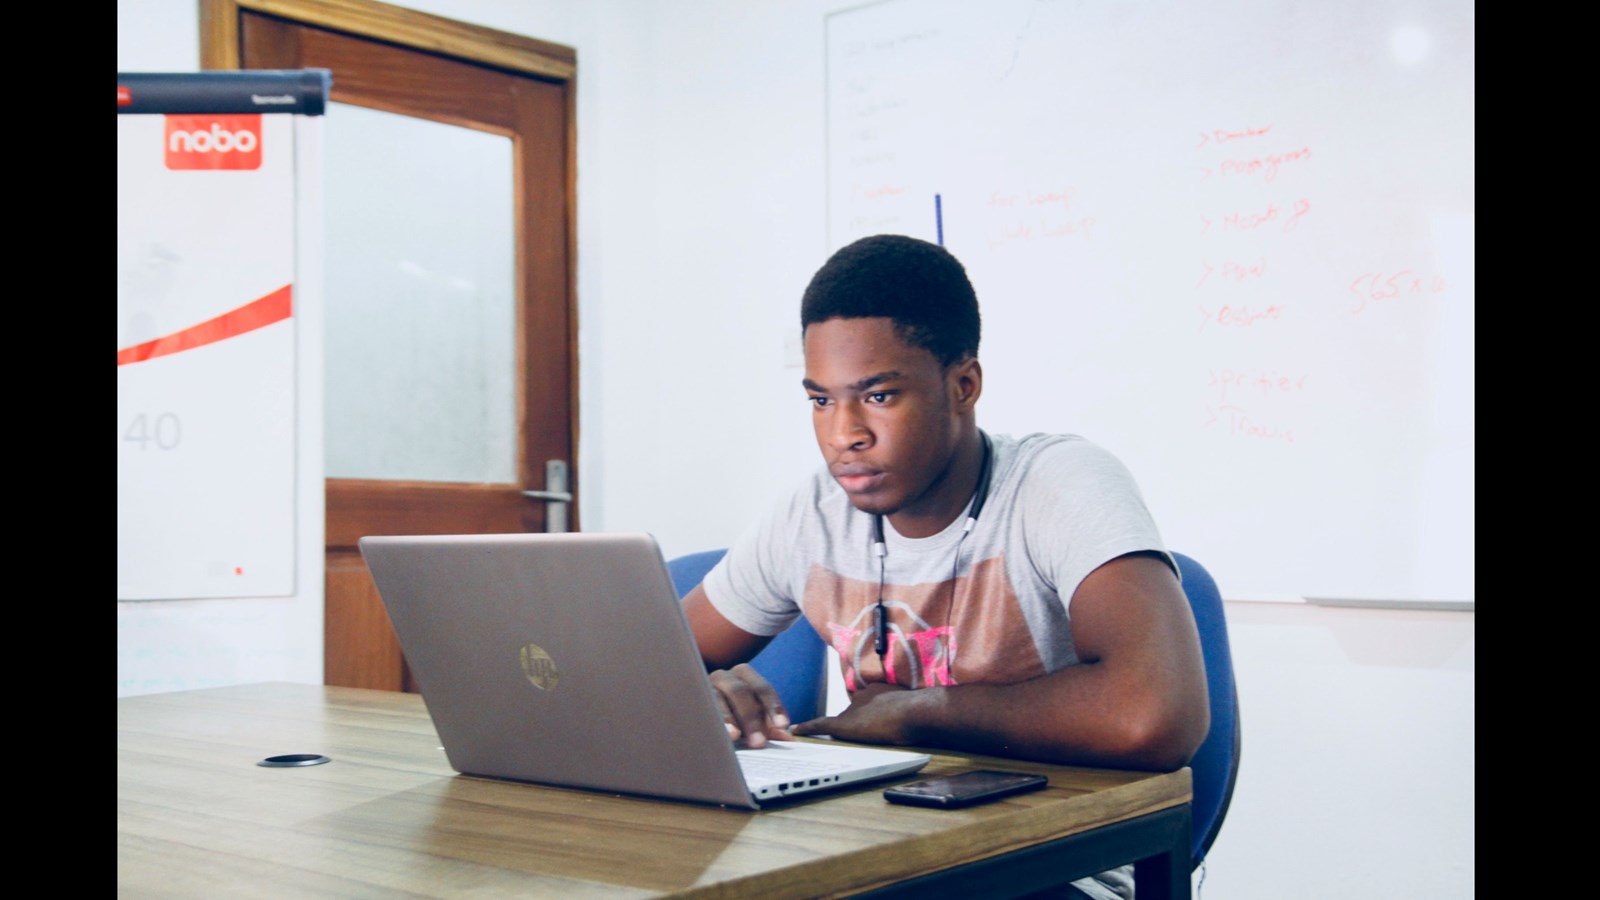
{"type": "Point", "coordinates": [1215, 766]}
{"type": "Point", "coordinates": [796, 661]}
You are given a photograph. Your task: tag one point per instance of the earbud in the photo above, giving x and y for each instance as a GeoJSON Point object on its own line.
{"type": "Point", "coordinates": [880, 615]}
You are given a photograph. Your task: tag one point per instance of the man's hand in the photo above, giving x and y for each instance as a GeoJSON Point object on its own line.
{"type": "Point", "coordinates": [750, 706]}
{"type": "Point", "coordinates": [878, 714]}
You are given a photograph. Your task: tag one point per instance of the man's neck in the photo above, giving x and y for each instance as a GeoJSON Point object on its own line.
{"type": "Point", "coordinates": [948, 497]}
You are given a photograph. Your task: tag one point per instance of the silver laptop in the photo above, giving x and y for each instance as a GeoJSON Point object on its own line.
{"type": "Point", "coordinates": [565, 659]}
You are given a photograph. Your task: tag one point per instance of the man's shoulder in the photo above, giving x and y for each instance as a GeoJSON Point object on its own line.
{"type": "Point", "coordinates": [816, 495]}
{"type": "Point", "coordinates": [1043, 465]}
{"type": "Point", "coordinates": [800, 527]}
{"type": "Point", "coordinates": [1050, 448]}
{"type": "Point", "coordinates": [1036, 441]}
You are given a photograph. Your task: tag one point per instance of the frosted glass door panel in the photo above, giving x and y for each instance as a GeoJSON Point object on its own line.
{"type": "Point", "coordinates": [421, 318]}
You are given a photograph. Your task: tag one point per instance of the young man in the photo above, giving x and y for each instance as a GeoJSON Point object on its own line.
{"type": "Point", "coordinates": [991, 594]}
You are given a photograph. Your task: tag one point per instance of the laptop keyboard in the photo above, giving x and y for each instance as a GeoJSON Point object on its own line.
{"type": "Point", "coordinates": [767, 766]}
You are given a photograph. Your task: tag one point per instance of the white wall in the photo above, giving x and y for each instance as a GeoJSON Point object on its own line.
{"type": "Point", "coordinates": [700, 218]}
{"type": "Point", "coordinates": [1357, 774]}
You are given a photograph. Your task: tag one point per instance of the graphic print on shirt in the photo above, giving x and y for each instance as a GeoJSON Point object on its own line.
{"type": "Point", "coordinates": [981, 638]}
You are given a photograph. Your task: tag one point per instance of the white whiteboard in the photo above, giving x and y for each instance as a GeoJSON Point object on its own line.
{"type": "Point", "coordinates": [1232, 242]}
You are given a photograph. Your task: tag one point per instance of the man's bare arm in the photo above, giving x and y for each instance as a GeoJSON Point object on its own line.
{"type": "Point", "coordinates": [750, 705]}
{"type": "Point", "coordinates": [1137, 700]}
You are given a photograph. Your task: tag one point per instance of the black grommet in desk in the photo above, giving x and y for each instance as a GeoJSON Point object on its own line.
{"type": "Point", "coordinates": [294, 759]}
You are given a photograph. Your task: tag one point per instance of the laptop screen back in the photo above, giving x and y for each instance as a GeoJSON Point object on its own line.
{"type": "Point", "coordinates": [561, 659]}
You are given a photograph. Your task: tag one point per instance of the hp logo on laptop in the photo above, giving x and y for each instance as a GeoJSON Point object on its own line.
{"type": "Point", "coordinates": [539, 667]}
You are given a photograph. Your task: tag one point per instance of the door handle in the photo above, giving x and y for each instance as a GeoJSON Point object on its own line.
{"type": "Point", "coordinates": [556, 496]}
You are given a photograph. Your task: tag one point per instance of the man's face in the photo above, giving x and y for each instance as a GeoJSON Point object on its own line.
{"type": "Point", "coordinates": [885, 413]}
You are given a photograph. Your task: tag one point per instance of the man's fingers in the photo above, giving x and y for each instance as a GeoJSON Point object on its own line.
{"type": "Point", "coordinates": [742, 710]}
{"type": "Point", "coordinates": [765, 693]}
{"type": "Point", "coordinates": [820, 725]}
{"type": "Point", "coordinates": [751, 708]}
{"type": "Point", "coordinates": [722, 707]}
{"type": "Point", "coordinates": [725, 687]}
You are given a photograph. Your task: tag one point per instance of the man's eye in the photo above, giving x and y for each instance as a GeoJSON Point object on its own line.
{"type": "Point", "coordinates": [878, 397]}
{"type": "Point", "coordinates": [818, 402]}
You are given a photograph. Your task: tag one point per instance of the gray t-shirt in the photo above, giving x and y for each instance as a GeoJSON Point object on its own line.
{"type": "Point", "coordinates": [992, 605]}
{"type": "Point", "coordinates": [989, 606]}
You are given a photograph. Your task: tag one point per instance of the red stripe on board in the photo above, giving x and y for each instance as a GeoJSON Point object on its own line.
{"type": "Point", "coordinates": [274, 307]}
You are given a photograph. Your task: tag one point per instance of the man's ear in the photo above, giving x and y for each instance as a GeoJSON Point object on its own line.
{"type": "Point", "coordinates": [966, 383]}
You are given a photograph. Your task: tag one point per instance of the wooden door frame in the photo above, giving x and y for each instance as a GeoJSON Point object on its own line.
{"type": "Point", "coordinates": [220, 49]}
{"type": "Point", "coordinates": [219, 34]}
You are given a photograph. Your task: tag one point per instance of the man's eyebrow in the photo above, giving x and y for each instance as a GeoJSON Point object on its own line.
{"type": "Point", "coordinates": [864, 384]}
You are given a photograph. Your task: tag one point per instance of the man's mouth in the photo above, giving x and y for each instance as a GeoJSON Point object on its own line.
{"type": "Point", "coordinates": [857, 479]}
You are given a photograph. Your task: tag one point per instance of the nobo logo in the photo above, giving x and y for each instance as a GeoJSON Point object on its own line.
{"type": "Point", "coordinates": [539, 667]}
{"type": "Point", "coordinates": [214, 142]}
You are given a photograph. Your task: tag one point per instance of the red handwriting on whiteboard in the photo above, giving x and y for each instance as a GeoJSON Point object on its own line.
{"type": "Point", "coordinates": [1266, 382]}
{"type": "Point", "coordinates": [1301, 207]}
{"type": "Point", "coordinates": [1031, 197]}
{"type": "Point", "coordinates": [1239, 316]}
{"type": "Point", "coordinates": [1082, 227]}
{"type": "Point", "coordinates": [1265, 166]}
{"type": "Point", "coordinates": [1377, 287]}
{"type": "Point", "coordinates": [1250, 221]}
{"type": "Point", "coordinates": [1042, 229]}
{"type": "Point", "coordinates": [1254, 219]}
{"type": "Point", "coordinates": [1236, 420]}
{"type": "Point", "coordinates": [884, 190]}
{"type": "Point", "coordinates": [1232, 271]}
{"type": "Point", "coordinates": [1222, 136]}
{"type": "Point", "coordinates": [864, 225]}
{"type": "Point", "coordinates": [1035, 213]}
{"type": "Point", "coordinates": [1060, 198]}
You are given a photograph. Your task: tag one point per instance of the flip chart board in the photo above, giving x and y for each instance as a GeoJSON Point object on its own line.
{"type": "Point", "coordinates": [208, 218]}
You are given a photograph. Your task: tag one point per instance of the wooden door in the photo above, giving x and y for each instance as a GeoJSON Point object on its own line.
{"type": "Point", "coordinates": [474, 78]}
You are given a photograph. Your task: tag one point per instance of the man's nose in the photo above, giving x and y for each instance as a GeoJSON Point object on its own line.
{"type": "Point", "coordinates": [847, 430]}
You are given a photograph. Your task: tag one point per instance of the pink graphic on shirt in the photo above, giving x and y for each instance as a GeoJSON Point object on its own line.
{"type": "Point", "coordinates": [843, 638]}
{"type": "Point", "coordinates": [917, 658]}
{"type": "Point", "coordinates": [996, 644]}
{"type": "Point", "coordinates": [935, 647]}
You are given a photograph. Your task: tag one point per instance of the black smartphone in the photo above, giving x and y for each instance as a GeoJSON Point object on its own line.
{"type": "Point", "coordinates": [964, 788]}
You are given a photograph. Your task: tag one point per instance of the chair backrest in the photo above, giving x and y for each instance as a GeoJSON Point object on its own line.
{"type": "Point", "coordinates": [796, 661]}
{"type": "Point", "coordinates": [1215, 766]}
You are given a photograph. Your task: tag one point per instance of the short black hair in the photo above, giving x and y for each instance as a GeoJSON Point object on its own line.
{"type": "Point", "coordinates": [920, 286]}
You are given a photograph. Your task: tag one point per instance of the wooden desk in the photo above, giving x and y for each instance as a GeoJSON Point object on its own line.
{"type": "Point", "coordinates": [197, 817]}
